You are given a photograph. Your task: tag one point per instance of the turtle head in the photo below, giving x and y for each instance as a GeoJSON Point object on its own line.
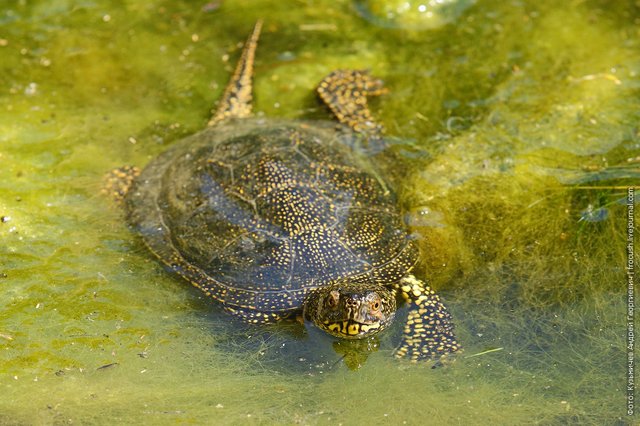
{"type": "Point", "coordinates": [351, 311]}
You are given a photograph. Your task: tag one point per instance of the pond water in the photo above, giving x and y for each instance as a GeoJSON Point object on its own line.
{"type": "Point", "coordinates": [515, 126]}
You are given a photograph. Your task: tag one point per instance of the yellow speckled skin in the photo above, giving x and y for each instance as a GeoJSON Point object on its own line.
{"type": "Point", "coordinates": [271, 216]}
{"type": "Point", "coordinates": [118, 182]}
{"type": "Point", "coordinates": [345, 92]}
{"type": "Point", "coordinates": [428, 332]}
{"type": "Point", "coordinates": [237, 99]}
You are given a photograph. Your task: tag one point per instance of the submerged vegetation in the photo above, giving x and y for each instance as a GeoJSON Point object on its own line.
{"type": "Point", "coordinates": [515, 126]}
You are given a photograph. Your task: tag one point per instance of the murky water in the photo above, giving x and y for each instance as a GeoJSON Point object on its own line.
{"type": "Point", "coordinates": [517, 126]}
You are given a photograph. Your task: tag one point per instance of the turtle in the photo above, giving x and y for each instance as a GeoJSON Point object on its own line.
{"type": "Point", "coordinates": [279, 218]}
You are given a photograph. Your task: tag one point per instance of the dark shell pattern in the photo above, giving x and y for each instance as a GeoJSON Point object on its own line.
{"type": "Point", "coordinates": [258, 212]}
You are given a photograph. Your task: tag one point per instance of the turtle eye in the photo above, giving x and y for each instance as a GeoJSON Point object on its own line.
{"type": "Point", "coordinates": [332, 299]}
{"type": "Point", "coordinates": [375, 302]}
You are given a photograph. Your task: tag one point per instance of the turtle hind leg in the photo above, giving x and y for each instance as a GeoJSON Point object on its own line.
{"type": "Point", "coordinates": [345, 93]}
{"type": "Point", "coordinates": [118, 181]}
{"type": "Point", "coordinates": [428, 332]}
{"type": "Point", "coordinates": [237, 99]}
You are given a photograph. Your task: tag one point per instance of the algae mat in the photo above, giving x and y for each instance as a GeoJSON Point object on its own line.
{"type": "Point", "coordinates": [515, 126]}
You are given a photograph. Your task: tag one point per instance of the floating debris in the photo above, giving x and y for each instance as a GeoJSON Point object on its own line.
{"type": "Point", "coordinates": [318, 27]}
{"type": "Point", "coordinates": [31, 89]}
{"type": "Point", "coordinates": [104, 367]}
{"type": "Point", "coordinates": [488, 351]}
{"type": "Point", "coordinates": [211, 6]}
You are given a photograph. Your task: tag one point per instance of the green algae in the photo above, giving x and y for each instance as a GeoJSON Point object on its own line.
{"type": "Point", "coordinates": [512, 123]}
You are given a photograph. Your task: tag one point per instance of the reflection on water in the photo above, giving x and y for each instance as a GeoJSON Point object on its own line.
{"type": "Point", "coordinates": [411, 15]}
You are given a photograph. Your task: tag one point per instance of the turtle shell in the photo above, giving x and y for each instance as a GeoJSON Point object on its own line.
{"type": "Point", "coordinates": [258, 212]}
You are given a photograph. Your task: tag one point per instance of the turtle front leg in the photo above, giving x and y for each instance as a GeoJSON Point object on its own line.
{"type": "Point", "coordinates": [428, 333]}
{"type": "Point", "coordinates": [345, 93]}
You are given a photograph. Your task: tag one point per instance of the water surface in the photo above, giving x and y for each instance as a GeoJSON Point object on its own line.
{"type": "Point", "coordinates": [516, 126]}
